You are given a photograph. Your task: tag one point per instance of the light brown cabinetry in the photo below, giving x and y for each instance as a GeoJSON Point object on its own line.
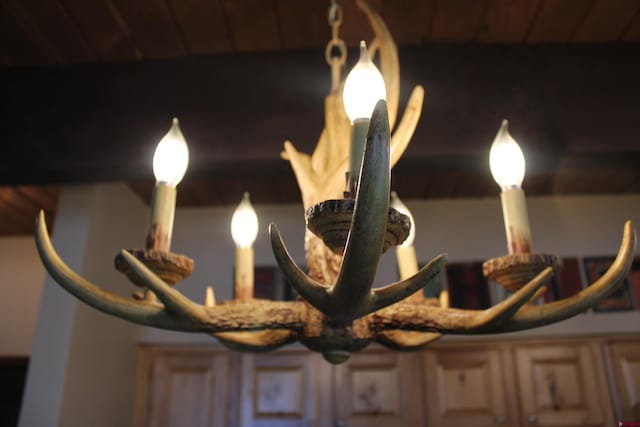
{"type": "Point", "coordinates": [534, 383]}
{"type": "Point", "coordinates": [523, 383]}
{"type": "Point", "coordinates": [562, 385]}
{"type": "Point", "coordinates": [624, 367]}
{"type": "Point", "coordinates": [183, 387]}
{"type": "Point", "coordinates": [466, 386]}
{"type": "Point", "coordinates": [282, 389]}
{"type": "Point", "coordinates": [378, 388]}
{"type": "Point", "coordinates": [298, 388]}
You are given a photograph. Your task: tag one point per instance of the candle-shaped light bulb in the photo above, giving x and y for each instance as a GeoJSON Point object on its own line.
{"type": "Point", "coordinates": [506, 159]}
{"type": "Point", "coordinates": [171, 157]}
{"type": "Point", "coordinates": [170, 163]}
{"type": "Point", "coordinates": [507, 167]}
{"type": "Point", "coordinates": [244, 224]}
{"type": "Point", "coordinates": [398, 205]}
{"type": "Point", "coordinates": [363, 88]}
{"type": "Point", "coordinates": [244, 230]}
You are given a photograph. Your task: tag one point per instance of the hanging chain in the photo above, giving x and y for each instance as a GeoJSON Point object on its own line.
{"type": "Point", "coordinates": [336, 50]}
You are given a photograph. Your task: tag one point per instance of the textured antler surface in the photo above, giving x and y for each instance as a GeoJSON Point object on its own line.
{"type": "Point", "coordinates": [179, 313]}
{"type": "Point", "coordinates": [352, 296]}
{"type": "Point", "coordinates": [142, 313]}
{"type": "Point", "coordinates": [538, 315]}
{"type": "Point", "coordinates": [425, 318]}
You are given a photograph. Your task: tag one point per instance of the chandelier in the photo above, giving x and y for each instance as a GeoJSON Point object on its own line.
{"type": "Point", "coordinates": [348, 228]}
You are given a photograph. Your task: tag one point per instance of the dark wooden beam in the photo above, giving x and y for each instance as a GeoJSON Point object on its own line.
{"type": "Point", "coordinates": [99, 122]}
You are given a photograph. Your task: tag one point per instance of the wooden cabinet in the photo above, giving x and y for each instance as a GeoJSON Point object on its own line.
{"type": "Point", "coordinates": [179, 387]}
{"type": "Point", "coordinates": [377, 388]}
{"type": "Point", "coordinates": [282, 389]}
{"type": "Point", "coordinates": [562, 385]}
{"type": "Point", "coordinates": [624, 367]}
{"type": "Point", "coordinates": [530, 383]}
{"type": "Point", "coordinates": [523, 383]}
{"type": "Point", "coordinates": [465, 386]}
{"type": "Point", "coordinates": [299, 388]}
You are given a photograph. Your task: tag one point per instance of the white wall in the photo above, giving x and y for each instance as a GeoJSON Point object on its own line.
{"type": "Point", "coordinates": [21, 280]}
{"type": "Point", "coordinates": [82, 367]}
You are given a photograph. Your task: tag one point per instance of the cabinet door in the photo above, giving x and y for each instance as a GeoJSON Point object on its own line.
{"type": "Point", "coordinates": [281, 389]}
{"type": "Point", "coordinates": [376, 388]}
{"type": "Point", "coordinates": [183, 388]}
{"type": "Point", "coordinates": [624, 358]}
{"type": "Point", "coordinates": [465, 387]}
{"type": "Point", "coordinates": [562, 385]}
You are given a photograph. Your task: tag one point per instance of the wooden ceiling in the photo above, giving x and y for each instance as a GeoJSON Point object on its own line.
{"type": "Point", "coordinates": [74, 31]}
{"type": "Point", "coordinates": [89, 85]}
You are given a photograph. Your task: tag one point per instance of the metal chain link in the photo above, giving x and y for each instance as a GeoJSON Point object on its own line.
{"type": "Point", "coordinates": [336, 50]}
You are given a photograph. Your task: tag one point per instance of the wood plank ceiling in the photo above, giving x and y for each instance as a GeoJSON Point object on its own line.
{"type": "Point", "coordinates": [73, 31]}
{"type": "Point", "coordinates": [66, 32]}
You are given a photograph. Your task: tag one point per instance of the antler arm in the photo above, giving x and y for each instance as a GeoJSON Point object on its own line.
{"type": "Point", "coordinates": [424, 318]}
{"type": "Point", "coordinates": [180, 314]}
{"type": "Point", "coordinates": [235, 316]}
{"type": "Point", "coordinates": [383, 297]}
{"type": "Point", "coordinates": [142, 313]}
{"type": "Point", "coordinates": [534, 316]}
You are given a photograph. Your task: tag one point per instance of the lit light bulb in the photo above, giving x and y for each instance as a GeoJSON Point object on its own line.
{"type": "Point", "coordinates": [363, 88]}
{"type": "Point", "coordinates": [171, 157]}
{"type": "Point", "coordinates": [398, 205]}
{"type": "Point", "coordinates": [506, 159]}
{"type": "Point", "coordinates": [244, 224]}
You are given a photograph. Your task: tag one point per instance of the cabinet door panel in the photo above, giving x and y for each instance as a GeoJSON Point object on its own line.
{"type": "Point", "coordinates": [625, 361]}
{"type": "Point", "coordinates": [188, 390]}
{"type": "Point", "coordinates": [376, 388]}
{"type": "Point", "coordinates": [465, 387]}
{"type": "Point", "coordinates": [561, 385]}
{"type": "Point", "coordinates": [280, 389]}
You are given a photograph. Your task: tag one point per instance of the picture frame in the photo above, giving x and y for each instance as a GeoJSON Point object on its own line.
{"type": "Point", "coordinates": [270, 283]}
{"type": "Point", "coordinates": [634, 283]}
{"type": "Point", "coordinates": [620, 299]}
{"type": "Point", "coordinates": [566, 282]}
{"type": "Point", "coordinates": [468, 288]}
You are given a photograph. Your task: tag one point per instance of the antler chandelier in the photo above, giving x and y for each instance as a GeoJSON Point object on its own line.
{"type": "Point", "coordinates": [338, 310]}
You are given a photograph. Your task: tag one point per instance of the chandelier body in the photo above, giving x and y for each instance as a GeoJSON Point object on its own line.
{"type": "Point", "coordinates": [338, 311]}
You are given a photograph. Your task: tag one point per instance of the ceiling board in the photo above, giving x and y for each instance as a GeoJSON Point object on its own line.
{"type": "Point", "coordinates": [300, 25]}
{"type": "Point", "coordinates": [253, 25]}
{"type": "Point", "coordinates": [458, 20]}
{"type": "Point", "coordinates": [151, 27]}
{"type": "Point", "coordinates": [202, 25]}
{"type": "Point", "coordinates": [102, 26]}
{"type": "Point", "coordinates": [60, 31]}
{"type": "Point", "coordinates": [607, 20]}
{"type": "Point", "coordinates": [19, 207]}
{"type": "Point", "coordinates": [355, 26]}
{"type": "Point", "coordinates": [508, 21]}
{"type": "Point", "coordinates": [632, 32]}
{"type": "Point", "coordinates": [557, 20]}
{"type": "Point", "coordinates": [19, 39]}
{"type": "Point", "coordinates": [409, 21]}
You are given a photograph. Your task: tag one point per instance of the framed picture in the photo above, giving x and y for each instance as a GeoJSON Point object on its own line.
{"type": "Point", "coordinates": [566, 282]}
{"type": "Point", "coordinates": [634, 283]}
{"type": "Point", "coordinates": [269, 283]}
{"type": "Point", "coordinates": [468, 288]}
{"type": "Point", "coordinates": [619, 300]}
